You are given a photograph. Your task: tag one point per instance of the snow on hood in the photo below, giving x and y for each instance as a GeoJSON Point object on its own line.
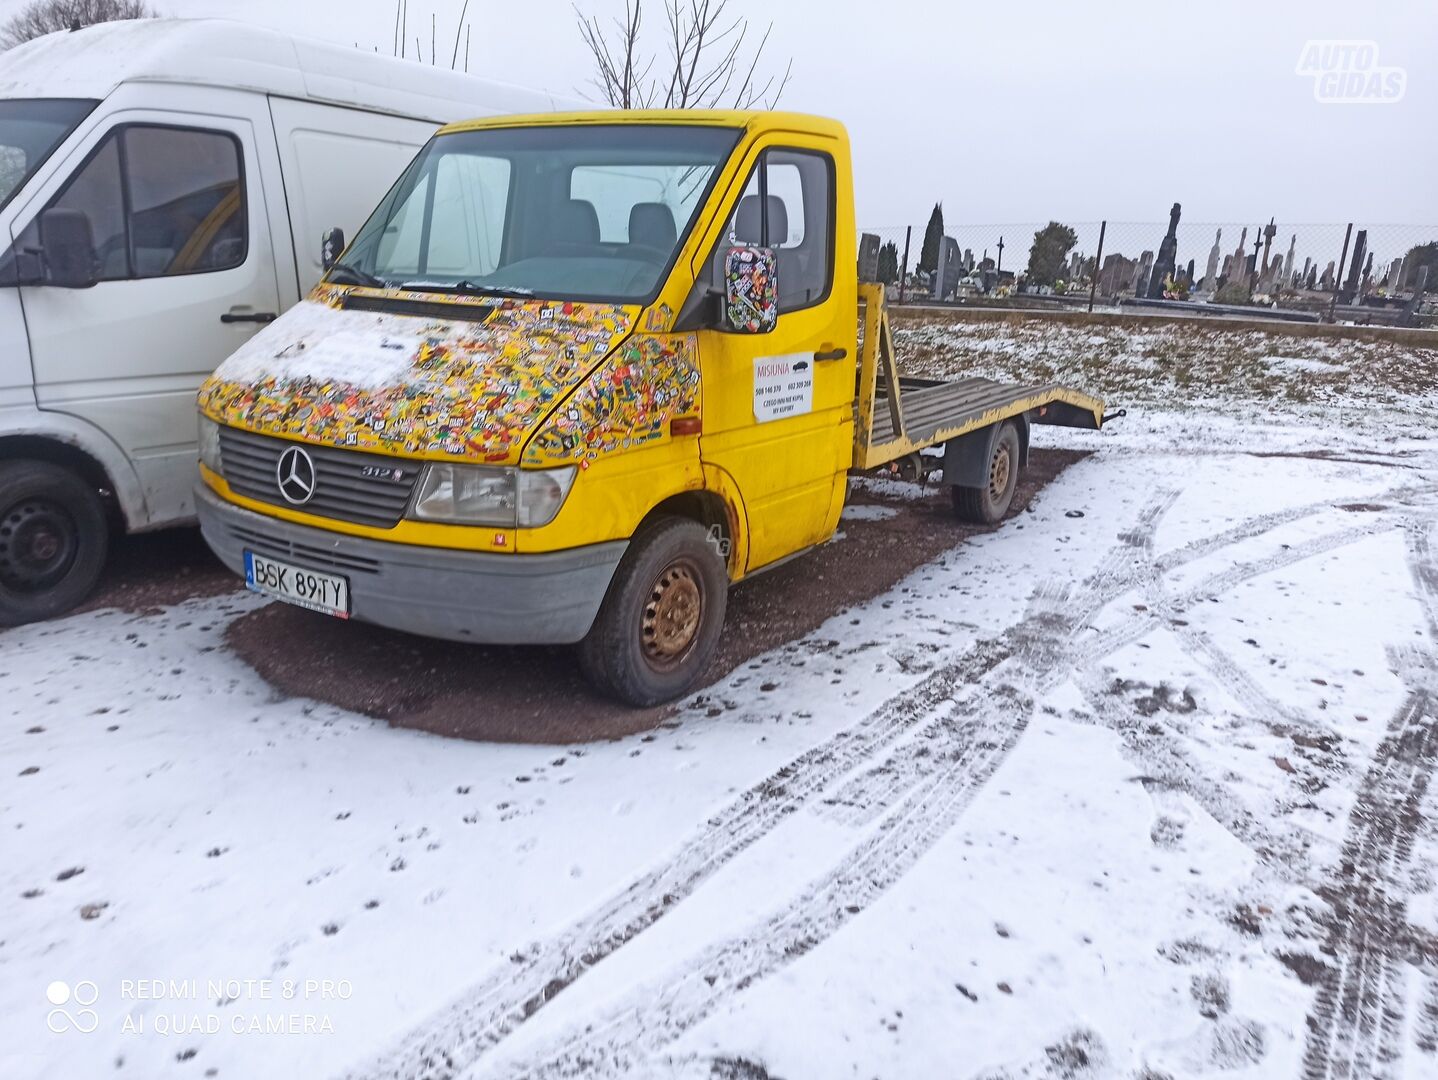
{"type": "Point", "coordinates": [476, 385]}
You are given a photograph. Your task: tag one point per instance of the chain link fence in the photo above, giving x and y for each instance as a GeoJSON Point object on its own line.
{"type": "Point", "coordinates": [1377, 274]}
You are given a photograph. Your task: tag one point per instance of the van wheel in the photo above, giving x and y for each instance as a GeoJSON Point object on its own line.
{"type": "Point", "coordinates": [53, 539]}
{"type": "Point", "coordinates": [987, 505]}
{"type": "Point", "coordinates": [661, 619]}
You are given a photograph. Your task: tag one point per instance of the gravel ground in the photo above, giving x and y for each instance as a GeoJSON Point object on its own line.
{"type": "Point", "coordinates": [537, 695]}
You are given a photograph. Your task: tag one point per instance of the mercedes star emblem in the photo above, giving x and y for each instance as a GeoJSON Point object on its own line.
{"type": "Point", "coordinates": [295, 475]}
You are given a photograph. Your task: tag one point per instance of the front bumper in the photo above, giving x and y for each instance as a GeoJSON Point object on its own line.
{"type": "Point", "coordinates": [542, 599]}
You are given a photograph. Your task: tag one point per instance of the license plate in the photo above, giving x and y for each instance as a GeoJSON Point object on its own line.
{"type": "Point", "coordinates": [327, 593]}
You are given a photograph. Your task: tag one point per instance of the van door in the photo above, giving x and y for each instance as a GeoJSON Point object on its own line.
{"type": "Point", "coordinates": [337, 163]}
{"type": "Point", "coordinates": [186, 274]}
{"type": "Point", "coordinates": [778, 407]}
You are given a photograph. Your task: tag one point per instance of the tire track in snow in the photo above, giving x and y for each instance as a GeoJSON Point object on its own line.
{"type": "Point", "coordinates": [1165, 764]}
{"type": "Point", "coordinates": [988, 723]}
{"type": "Point", "coordinates": [1357, 1023]}
{"type": "Point", "coordinates": [1355, 1026]}
{"type": "Point", "coordinates": [450, 1040]}
{"type": "Point", "coordinates": [501, 1003]}
{"type": "Point", "coordinates": [494, 1008]}
{"type": "Point", "coordinates": [964, 751]}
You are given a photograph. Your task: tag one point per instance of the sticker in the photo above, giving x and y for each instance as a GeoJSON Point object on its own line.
{"type": "Point", "coordinates": [783, 386]}
{"type": "Point", "coordinates": [628, 402]}
{"type": "Point", "coordinates": [751, 295]}
{"type": "Point", "coordinates": [421, 386]}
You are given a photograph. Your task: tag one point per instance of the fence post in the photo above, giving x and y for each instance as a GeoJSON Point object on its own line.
{"type": "Point", "coordinates": [1097, 261]}
{"type": "Point", "coordinates": [1338, 277]}
{"type": "Point", "coordinates": [904, 270]}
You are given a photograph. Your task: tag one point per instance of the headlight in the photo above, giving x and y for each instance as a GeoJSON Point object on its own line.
{"type": "Point", "coordinates": [210, 446]}
{"type": "Point", "coordinates": [480, 495]}
{"type": "Point", "coordinates": [541, 493]}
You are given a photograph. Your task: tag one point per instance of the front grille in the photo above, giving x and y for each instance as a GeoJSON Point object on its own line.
{"type": "Point", "coordinates": [342, 490]}
{"type": "Point", "coordinates": [311, 555]}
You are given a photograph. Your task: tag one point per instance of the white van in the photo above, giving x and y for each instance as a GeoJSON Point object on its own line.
{"type": "Point", "coordinates": [164, 189]}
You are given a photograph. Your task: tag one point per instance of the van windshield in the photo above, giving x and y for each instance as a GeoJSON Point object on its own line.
{"type": "Point", "coordinates": [30, 128]}
{"type": "Point", "coordinates": [568, 211]}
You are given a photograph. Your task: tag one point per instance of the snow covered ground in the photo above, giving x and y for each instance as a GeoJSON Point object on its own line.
{"type": "Point", "coordinates": [1134, 786]}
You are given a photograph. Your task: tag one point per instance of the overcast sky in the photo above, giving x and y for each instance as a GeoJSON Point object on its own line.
{"type": "Point", "coordinates": [1014, 112]}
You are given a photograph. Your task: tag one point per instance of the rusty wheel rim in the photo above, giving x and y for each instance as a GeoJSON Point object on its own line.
{"type": "Point", "coordinates": [999, 470]}
{"type": "Point", "coordinates": [670, 624]}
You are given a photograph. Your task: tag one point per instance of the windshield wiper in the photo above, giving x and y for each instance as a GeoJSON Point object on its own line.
{"type": "Point", "coordinates": [469, 288]}
{"type": "Point", "coordinates": [345, 274]}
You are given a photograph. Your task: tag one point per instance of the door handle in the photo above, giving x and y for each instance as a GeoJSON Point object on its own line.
{"type": "Point", "coordinates": [255, 316]}
{"type": "Point", "coordinates": [832, 354]}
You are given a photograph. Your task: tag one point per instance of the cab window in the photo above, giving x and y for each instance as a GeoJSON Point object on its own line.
{"type": "Point", "coordinates": [639, 204]}
{"type": "Point", "coordinates": [578, 211]}
{"type": "Point", "coordinates": [796, 220]}
{"type": "Point", "coordinates": [161, 201]}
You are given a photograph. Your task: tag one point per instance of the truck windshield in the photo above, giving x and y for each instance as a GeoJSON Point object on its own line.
{"type": "Point", "coordinates": [568, 211]}
{"type": "Point", "coordinates": [30, 128]}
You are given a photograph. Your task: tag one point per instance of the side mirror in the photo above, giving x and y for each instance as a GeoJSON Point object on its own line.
{"type": "Point", "coordinates": [332, 246]}
{"type": "Point", "coordinates": [751, 290]}
{"type": "Point", "coordinates": [68, 244]}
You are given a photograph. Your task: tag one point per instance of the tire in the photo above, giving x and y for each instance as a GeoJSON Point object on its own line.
{"type": "Point", "coordinates": [987, 505]}
{"type": "Point", "coordinates": [660, 622]}
{"type": "Point", "coordinates": [53, 541]}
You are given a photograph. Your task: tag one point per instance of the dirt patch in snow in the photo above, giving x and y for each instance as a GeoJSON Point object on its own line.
{"type": "Point", "coordinates": [155, 570]}
{"type": "Point", "coordinates": [536, 695]}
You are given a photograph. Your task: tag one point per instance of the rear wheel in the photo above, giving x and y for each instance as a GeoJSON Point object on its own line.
{"type": "Point", "coordinates": [53, 540]}
{"type": "Point", "coordinates": [661, 619]}
{"type": "Point", "coordinates": [988, 504]}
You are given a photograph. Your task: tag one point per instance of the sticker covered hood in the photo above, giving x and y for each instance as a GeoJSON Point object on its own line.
{"type": "Point", "coordinates": [413, 374]}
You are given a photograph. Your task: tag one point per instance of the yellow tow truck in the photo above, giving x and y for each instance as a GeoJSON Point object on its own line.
{"type": "Point", "coordinates": [577, 375]}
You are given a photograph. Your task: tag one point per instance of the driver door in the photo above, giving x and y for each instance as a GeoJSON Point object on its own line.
{"type": "Point", "coordinates": [186, 275]}
{"type": "Point", "coordinates": [778, 407]}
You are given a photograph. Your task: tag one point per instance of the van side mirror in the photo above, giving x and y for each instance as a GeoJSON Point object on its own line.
{"type": "Point", "coordinates": [332, 246]}
{"type": "Point", "coordinates": [68, 244]}
{"type": "Point", "coordinates": [751, 290]}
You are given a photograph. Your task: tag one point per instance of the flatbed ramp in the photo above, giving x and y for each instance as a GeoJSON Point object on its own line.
{"type": "Point", "coordinates": [900, 415]}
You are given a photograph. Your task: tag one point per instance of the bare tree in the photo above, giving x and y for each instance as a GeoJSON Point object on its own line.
{"type": "Point", "coordinates": [401, 37]}
{"type": "Point", "coordinates": [704, 64]}
{"type": "Point", "coordinates": [46, 16]}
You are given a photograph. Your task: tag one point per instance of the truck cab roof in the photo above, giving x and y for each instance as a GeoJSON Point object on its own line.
{"type": "Point", "coordinates": [751, 119]}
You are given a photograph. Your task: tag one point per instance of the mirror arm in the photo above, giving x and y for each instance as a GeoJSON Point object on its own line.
{"type": "Point", "coordinates": [704, 310]}
{"type": "Point", "coordinates": [23, 267]}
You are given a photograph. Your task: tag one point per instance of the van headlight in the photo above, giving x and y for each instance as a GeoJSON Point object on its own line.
{"type": "Point", "coordinates": [210, 446]}
{"type": "Point", "coordinates": [483, 495]}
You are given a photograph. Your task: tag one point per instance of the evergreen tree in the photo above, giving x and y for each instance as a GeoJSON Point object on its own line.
{"type": "Point", "coordinates": [1049, 254]}
{"type": "Point", "coordinates": [1421, 255]}
{"type": "Point", "coordinates": [933, 237]}
{"type": "Point", "coordinates": [889, 263]}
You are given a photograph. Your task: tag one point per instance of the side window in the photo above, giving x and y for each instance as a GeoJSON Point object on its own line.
{"type": "Point", "coordinates": [187, 204]}
{"type": "Point", "coordinates": [399, 246]}
{"type": "Point", "coordinates": [796, 220]}
{"type": "Point", "coordinates": [472, 192]}
{"type": "Point", "coordinates": [96, 189]}
{"type": "Point", "coordinates": [161, 201]}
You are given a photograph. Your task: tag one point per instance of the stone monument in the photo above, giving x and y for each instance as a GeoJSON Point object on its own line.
{"type": "Point", "coordinates": [1163, 266]}
{"type": "Point", "coordinates": [1237, 269]}
{"type": "Point", "coordinates": [1210, 275]}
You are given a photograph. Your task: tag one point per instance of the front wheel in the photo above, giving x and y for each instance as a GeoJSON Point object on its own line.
{"type": "Point", "coordinates": [660, 622]}
{"type": "Point", "coordinates": [988, 504]}
{"type": "Point", "coordinates": [53, 539]}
